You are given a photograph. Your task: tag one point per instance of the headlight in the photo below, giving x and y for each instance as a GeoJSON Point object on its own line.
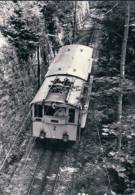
{"type": "Point", "coordinates": [42, 135]}
{"type": "Point", "coordinates": [65, 137]}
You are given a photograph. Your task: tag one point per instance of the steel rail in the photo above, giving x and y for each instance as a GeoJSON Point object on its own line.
{"type": "Point", "coordinates": [35, 172]}
{"type": "Point", "coordinates": [54, 162]}
{"type": "Point", "coordinates": [90, 40]}
{"type": "Point", "coordinates": [41, 188]}
{"type": "Point", "coordinates": [57, 175]}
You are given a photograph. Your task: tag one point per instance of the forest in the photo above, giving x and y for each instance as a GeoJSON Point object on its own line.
{"type": "Point", "coordinates": [33, 32]}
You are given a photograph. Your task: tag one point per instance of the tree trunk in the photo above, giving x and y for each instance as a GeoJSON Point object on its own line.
{"type": "Point", "coordinates": [122, 73]}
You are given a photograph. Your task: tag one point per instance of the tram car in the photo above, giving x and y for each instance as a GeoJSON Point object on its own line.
{"type": "Point", "coordinates": [59, 109]}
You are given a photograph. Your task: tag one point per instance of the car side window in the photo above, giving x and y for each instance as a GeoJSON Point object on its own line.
{"type": "Point", "coordinates": [38, 111]}
{"type": "Point", "coordinates": [71, 115]}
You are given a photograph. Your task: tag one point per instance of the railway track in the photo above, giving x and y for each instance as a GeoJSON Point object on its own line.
{"type": "Point", "coordinates": [92, 41]}
{"type": "Point", "coordinates": [45, 176]}
{"type": "Point", "coordinates": [16, 167]}
{"type": "Point", "coordinates": [37, 171]}
{"type": "Point", "coordinates": [31, 154]}
{"type": "Point", "coordinates": [39, 174]}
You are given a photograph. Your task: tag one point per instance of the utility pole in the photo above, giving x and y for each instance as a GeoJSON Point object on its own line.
{"type": "Point", "coordinates": [39, 74]}
{"type": "Point", "coordinates": [122, 73]}
{"type": "Point", "coordinates": [74, 27]}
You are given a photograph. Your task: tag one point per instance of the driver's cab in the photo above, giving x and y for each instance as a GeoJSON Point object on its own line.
{"type": "Point", "coordinates": [60, 114]}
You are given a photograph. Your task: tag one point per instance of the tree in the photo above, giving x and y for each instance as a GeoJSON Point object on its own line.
{"type": "Point", "coordinates": [20, 30]}
{"type": "Point", "coordinates": [122, 71]}
{"type": "Point", "coordinates": [120, 164]}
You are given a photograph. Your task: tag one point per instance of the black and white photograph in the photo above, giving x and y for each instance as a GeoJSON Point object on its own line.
{"type": "Point", "coordinates": [67, 97]}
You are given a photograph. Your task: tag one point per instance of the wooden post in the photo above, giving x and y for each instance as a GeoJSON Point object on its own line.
{"type": "Point", "coordinates": [74, 27]}
{"type": "Point", "coordinates": [122, 73]}
{"type": "Point", "coordinates": [38, 58]}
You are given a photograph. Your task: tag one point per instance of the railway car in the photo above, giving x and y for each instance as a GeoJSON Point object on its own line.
{"type": "Point", "coordinates": [59, 109]}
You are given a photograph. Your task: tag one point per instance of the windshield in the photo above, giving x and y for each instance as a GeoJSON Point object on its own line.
{"type": "Point", "coordinates": [58, 111]}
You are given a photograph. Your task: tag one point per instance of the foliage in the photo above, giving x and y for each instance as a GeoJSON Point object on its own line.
{"type": "Point", "coordinates": [105, 94]}
{"type": "Point", "coordinates": [112, 35]}
{"type": "Point", "coordinates": [19, 28]}
{"type": "Point", "coordinates": [27, 25]}
{"type": "Point", "coordinates": [17, 92]}
{"type": "Point", "coordinates": [49, 25]}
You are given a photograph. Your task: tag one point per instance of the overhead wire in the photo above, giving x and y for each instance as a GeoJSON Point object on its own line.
{"type": "Point", "coordinates": [24, 166]}
{"type": "Point", "coordinates": [14, 141]}
{"type": "Point", "coordinates": [112, 8]}
{"type": "Point", "coordinates": [21, 130]}
{"type": "Point", "coordinates": [22, 127]}
{"type": "Point", "coordinates": [24, 123]}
